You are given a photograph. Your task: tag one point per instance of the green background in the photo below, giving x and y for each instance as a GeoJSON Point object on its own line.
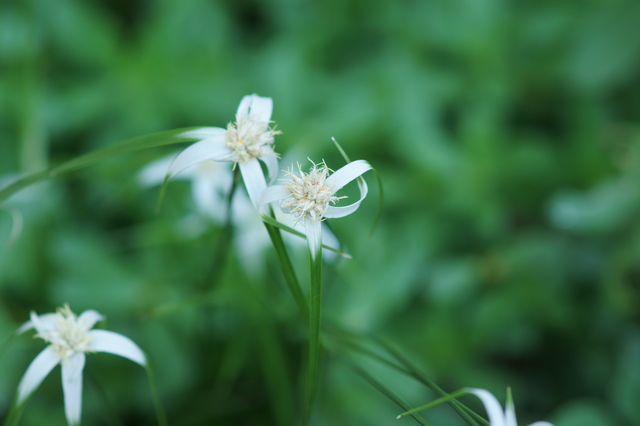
{"type": "Point", "coordinates": [505, 133]}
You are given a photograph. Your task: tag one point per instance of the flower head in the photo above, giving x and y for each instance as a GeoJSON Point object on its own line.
{"type": "Point", "coordinates": [309, 197]}
{"type": "Point", "coordinates": [249, 139]}
{"type": "Point", "coordinates": [69, 334]}
{"type": "Point", "coordinates": [70, 337]}
{"type": "Point", "coordinates": [309, 194]}
{"type": "Point", "coordinates": [496, 416]}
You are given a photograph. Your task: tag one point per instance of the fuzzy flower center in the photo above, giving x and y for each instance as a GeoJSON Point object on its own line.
{"type": "Point", "coordinates": [249, 137]}
{"type": "Point", "coordinates": [310, 196]}
{"type": "Point", "coordinates": [70, 335]}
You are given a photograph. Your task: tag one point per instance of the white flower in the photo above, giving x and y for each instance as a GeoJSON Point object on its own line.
{"type": "Point", "coordinates": [210, 185]}
{"type": "Point", "coordinates": [309, 197]}
{"type": "Point", "coordinates": [496, 416]}
{"type": "Point", "coordinates": [244, 142]}
{"type": "Point", "coordinates": [70, 338]}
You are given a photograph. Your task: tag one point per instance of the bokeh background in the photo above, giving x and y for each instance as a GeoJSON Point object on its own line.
{"type": "Point", "coordinates": [507, 137]}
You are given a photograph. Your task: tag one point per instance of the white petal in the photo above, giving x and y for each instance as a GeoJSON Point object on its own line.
{"type": "Point", "coordinates": [44, 323]}
{"type": "Point", "coordinates": [89, 317]}
{"type": "Point", "coordinates": [207, 149]}
{"type": "Point", "coordinates": [256, 105]}
{"type": "Point", "coordinates": [491, 404]}
{"type": "Point", "coordinates": [117, 344]}
{"type": "Point", "coordinates": [314, 236]}
{"type": "Point", "coordinates": [274, 193]}
{"type": "Point", "coordinates": [254, 181]}
{"type": "Point", "coordinates": [347, 173]}
{"type": "Point", "coordinates": [207, 198]}
{"type": "Point", "coordinates": [72, 387]}
{"type": "Point", "coordinates": [39, 368]}
{"type": "Point", "coordinates": [271, 161]}
{"type": "Point", "coordinates": [154, 172]}
{"type": "Point", "coordinates": [341, 211]}
{"type": "Point", "coordinates": [203, 133]}
{"type": "Point", "coordinates": [24, 327]}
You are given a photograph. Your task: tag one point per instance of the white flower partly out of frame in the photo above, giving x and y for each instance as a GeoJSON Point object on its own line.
{"type": "Point", "coordinates": [309, 197]}
{"type": "Point", "coordinates": [70, 338]}
{"type": "Point", "coordinates": [244, 142]}
{"type": "Point", "coordinates": [497, 417]}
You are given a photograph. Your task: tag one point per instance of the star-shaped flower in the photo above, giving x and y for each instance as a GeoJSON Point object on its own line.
{"type": "Point", "coordinates": [244, 142]}
{"type": "Point", "coordinates": [496, 416]}
{"type": "Point", "coordinates": [310, 197]}
{"type": "Point", "coordinates": [70, 337]}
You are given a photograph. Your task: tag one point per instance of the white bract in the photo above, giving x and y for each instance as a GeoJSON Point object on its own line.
{"type": "Point", "coordinates": [310, 197]}
{"type": "Point", "coordinates": [70, 337]}
{"type": "Point", "coordinates": [244, 142]}
{"type": "Point", "coordinates": [496, 416]}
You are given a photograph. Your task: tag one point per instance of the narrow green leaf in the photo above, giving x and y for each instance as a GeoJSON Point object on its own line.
{"type": "Point", "coordinates": [438, 401]}
{"type": "Point", "coordinates": [130, 145]}
{"type": "Point", "coordinates": [465, 412]}
{"type": "Point", "coordinates": [388, 393]}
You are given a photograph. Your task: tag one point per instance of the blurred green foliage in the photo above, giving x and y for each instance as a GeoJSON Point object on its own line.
{"type": "Point", "coordinates": [507, 136]}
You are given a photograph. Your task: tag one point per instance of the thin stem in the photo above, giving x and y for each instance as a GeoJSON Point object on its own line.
{"type": "Point", "coordinates": [15, 412]}
{"type": "Point", "coordinates": [160, 413]}
{"type": "Point", "coordinates": [314, 332]}
{"type": "Point", "coordinates": [287, 270]}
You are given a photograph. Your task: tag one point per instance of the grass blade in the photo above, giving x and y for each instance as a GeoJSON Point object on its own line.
{"type": "Point", "coordinates": [389, 394]}
{"type": "Point", "coordinates": [465, 412]}
{"type": "Point", "coordinates": [439, 401]}
{"type": "Point", "coordinates": [130, 145]}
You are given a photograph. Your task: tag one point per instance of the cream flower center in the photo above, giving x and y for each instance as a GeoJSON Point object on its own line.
{"type": "Point", "coordinates": [309, 195]}
{"type": "Point", "coordinates": [70, 335]}
{"type": "Point", "coordinates": [249, 137]}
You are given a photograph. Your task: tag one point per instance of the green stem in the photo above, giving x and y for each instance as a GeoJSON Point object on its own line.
{"type": "Point", "coordinates": [15, 412]}
{"type": "Point", "coordinates": [314, 332]}
{"type": "Point", "coordinates": [287, 270]}
{"type": "Point", "coordinates": [160, 413]}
